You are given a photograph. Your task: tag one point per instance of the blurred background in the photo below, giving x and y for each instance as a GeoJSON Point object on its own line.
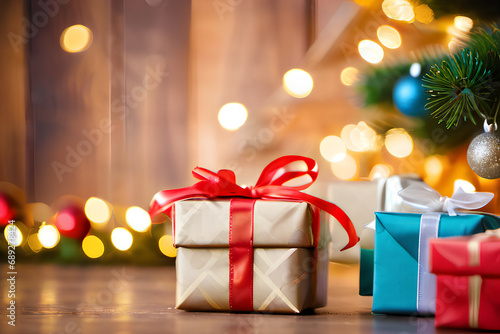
{"type": "Point", "coordinates": [106, 102]}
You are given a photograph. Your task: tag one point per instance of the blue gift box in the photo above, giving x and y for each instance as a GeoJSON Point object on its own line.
{"type": "Point", "coordinates": [366, 272]}
{"type": "Point", "coordinates": [397, 255]}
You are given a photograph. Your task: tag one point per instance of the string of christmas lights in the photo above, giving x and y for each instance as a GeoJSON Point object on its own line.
{"type": "Point", "coordinates": [77, 231]}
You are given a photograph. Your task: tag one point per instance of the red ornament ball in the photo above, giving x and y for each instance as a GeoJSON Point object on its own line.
{"type": "Point", "coordinates": [72, 222]}
{"type": "Point", "coordinates": [7, 209]}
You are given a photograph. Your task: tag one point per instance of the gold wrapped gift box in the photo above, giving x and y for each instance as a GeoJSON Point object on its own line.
{"type": "Point", "coordinates": [289, 272]}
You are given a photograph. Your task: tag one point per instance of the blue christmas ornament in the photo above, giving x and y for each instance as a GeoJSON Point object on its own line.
{"type": "Point", "coordinates": [409, 97]}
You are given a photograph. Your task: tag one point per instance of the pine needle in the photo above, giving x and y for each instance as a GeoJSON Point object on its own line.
{"type": "Point", "coordinates": [466, 84]}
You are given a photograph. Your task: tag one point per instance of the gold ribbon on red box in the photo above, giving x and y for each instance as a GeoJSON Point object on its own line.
{"type": "Point", "coordinates": [467, 270]}
{"type": "Point", "coordinates": [475, 281]}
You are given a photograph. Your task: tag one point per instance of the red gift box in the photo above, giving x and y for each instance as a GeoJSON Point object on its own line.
{"type": "Point", "coordinates": [468, 280]}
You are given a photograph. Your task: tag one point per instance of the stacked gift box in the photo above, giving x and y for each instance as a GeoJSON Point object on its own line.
{"type": "Point", "coordinates": [468, 280]}
{"type": "Point", "coordinates": [288, 272]}
{"type": "Point", "coordinates": [259, 248]}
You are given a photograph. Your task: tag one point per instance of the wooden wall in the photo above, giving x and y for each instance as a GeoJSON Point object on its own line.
{"type": "Point", "coordinates": [136, 111]}
{"type": "Point", "coordinates": [111, 121]}
{"type": "Point", "coordinates": [240, 52]}
{"type": "Point", "coordinates": [13, 93]}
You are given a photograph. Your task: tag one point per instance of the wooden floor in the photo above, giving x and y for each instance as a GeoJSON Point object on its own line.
{"type": "Point", "coordinates": [103, 299]}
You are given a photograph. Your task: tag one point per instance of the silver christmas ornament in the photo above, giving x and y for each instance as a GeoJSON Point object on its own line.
{"type": "Point", "coordinates": [483, 154]}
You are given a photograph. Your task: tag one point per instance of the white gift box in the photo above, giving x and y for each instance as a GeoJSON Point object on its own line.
{"type": "Point", "coordinates": [360, 200]}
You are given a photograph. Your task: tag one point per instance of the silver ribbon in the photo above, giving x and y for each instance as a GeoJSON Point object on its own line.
{"type": "Point", "coordinates": [426, 282]}
{"type": "Point", "coordinates": [425, 199]}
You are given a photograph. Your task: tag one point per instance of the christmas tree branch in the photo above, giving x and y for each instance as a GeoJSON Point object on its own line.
{"type": "Point", "coordinates": [466, 83]}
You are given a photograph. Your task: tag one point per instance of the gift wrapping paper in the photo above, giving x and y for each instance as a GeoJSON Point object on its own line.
{"type": "Point", "coordinates": [285, 280]}
{"type": "Point", "coordinates": [468, 281]}
{"type": "Point", "coordinates": [289, 272]}
{"type": "Point", "coordinates": [203, 223]}
{"type": "Point", "coordinates": [387, 200]}
{"type": "Point", "coordinates": [359, 199]}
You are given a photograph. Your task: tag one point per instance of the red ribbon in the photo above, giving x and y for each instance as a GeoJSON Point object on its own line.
{"type": "Point", "coordinates": [270, 185]}
{"type": "Point", "coordinates": [241, 254]}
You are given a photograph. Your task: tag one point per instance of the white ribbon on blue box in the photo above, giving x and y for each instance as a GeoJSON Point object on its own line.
{"type": "Point", "coordinates": [402, 282]}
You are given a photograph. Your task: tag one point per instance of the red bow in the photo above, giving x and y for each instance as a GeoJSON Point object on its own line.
{"type": "Point", "coordinates": [271, 185]}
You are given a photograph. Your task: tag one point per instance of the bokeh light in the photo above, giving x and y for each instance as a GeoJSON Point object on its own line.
{"type": "Point", "coordinates": [363, 138]}
{"type": "Point", "coordinates": [370, 51]}
{"type": "Point", "coordinates": [345, 134]}
{"type": "Point", "coordinates": [465, 185]}
{"type": "Point", "coordinates": [232, 116]}
{"type": "Point", "coordinates": [13, 235]}
{"type": "Point", "coordinates": [34, 243]}
{"type": "Point", "coordinates": [332, 148]}
{"type": "Point", "coordinates": [40, 211]}
{"type": "Point", "coordinates": [454, 45]}
{"type": "Point", "coordinates": [345, 169]}
{"type": "Point", "coordinates": [398, 142]}
{"type": "Point", "coordinates": [365, 3]}
{"type": "Point", "coordinates": [298, 83]}
{"type": "Point", "coordinates": [463, 23]}
{"type": "Point", "coordinates": [349, 76]}
{"type": "Point", "coordinates": [166, 244]}
{"type": "Point", "coordinates": [48, 235]}
{"type": "Point", "coordinates": [359, 138]}
{"type": "Point", "coordinates": [399, 10]}
{"type": "Point", "coordinates": [6, 210]}
{"type": "Point", "coordinates": [424, 14]}
{"type": "Point", "coordinates": [97, 210]}
{"type": "Point", "coordinates": [379, 171]}
{"type": "Point", "coordinates": [433, 167]}
{"type": "Point", "coordinates": [389, 37]}
{"type": "Point", "coordinates": [415, 70]}
{"type": "Point", "coordinates": [92, 246]}
{"type": "Point", "coordinates": [66, 221]}
{"type": "Point", "coordinates": [121, 238]}
{"type": "Point", "coordinates": [138, 219]}
{"type": "Point", "coordinates": [76, 38]}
